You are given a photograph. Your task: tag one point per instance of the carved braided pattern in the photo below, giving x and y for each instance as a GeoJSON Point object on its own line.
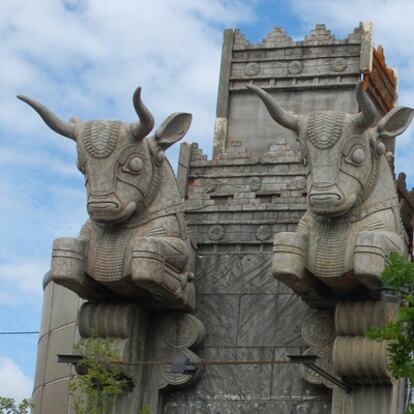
{"type": "Point", "coordinates": [100, 137]}
{"type": "Point", "coordinates": [330, 243]}
{"type": "Point", "coordinates": [155, 184]}
{"type": "Point", "coordinates": [109, 260]}
{"type": "Point", "coordinates": [325, 128]}
{"type": "Point", "coordinates": [372, 181]}
{"type": "Point", "coordinates": [182, 226]}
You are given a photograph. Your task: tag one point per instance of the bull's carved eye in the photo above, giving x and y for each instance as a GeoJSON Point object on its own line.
{"type": "Point", "coordinates": [358, 156]}
{"type": "Point", "coordinates": [134, 165]}
{"type": "Point", "coordinates": [355, 150]}
{"type": "Point", "coordinates": [132, 159]}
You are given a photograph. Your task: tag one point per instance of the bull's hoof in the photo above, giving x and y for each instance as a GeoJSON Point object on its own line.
{"type": "Point", "coordinates": [288, 262]}
{"type": "Point", "coordinates": [68, 264]}
{"type": "Point", "coordinates": [369, 258]}
{"type": "Point", "coordinates": [68, 269]}
{"type": "Point", "coordinates": [170, 288]}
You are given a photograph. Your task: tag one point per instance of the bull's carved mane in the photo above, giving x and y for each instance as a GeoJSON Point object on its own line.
{"type": "Point", "coordinates": [135, 244]}
{"type": "Point", "coordinates": [353, 220]}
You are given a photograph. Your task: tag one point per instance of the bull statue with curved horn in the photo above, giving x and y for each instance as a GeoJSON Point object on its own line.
{"type": "Point", "coordinates": [352, 221]}
{"type": "Point", "coordinates": [135, 244]}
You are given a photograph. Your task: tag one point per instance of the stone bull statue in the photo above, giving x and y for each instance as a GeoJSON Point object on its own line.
{"type": "Point", "coordinates": [352, 221]}
{"type": "Point", "coordinates": [135, 244]}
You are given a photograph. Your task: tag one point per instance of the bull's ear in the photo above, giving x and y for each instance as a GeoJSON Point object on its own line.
{"type": "Point", "coordinates": [172, 129]}
{"type": "Point", "coordinates": [395, 122]}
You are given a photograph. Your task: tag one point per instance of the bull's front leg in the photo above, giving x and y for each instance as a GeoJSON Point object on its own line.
{"type": "Point", "coordinates": [68, 268]}
{"type": "Point", "coordinates": [289, 260]}
{"type": "Point", "coordinates": [289, 264]}
{"type": "Point", "coordinates": [371, 250]}
{"type": "Point", "coordinates": [160, 266]}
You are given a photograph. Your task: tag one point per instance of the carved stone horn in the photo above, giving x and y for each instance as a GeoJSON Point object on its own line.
{"type": "Point", "coordinates": [282, 117]}
{"type": "Point", "coordinates": [58, 125]}
{"type": "Point", "coordinates": [368, 114]}
{"type": "Point", "coordinates": [143, 128]}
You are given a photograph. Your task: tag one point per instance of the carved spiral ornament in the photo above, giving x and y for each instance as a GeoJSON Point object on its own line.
{"type": "Point", "coordinates": [318, 328]}
{"type": "Point", "coordinates": [167, 378]}
{"type": "Point", "coordinates": [323, 362]}
{"type": "Point", "coordinates": [182, 331]}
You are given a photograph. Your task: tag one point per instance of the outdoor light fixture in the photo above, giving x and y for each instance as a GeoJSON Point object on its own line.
{"type": "Point", "coordinates": [183, 365]}
{"type": "Point", "coordinates": [68, 359]}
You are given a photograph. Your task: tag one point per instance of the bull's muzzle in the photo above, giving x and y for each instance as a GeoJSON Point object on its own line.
{"type": "Point", "coordinates": [108, 208]}
{"type": "Point", "coordinates": [329, 200]}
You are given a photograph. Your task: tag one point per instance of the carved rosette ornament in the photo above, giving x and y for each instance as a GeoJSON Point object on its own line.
{"type": "Point", "coordinates": [178, 335]}
{"type": "Point", "coordinates": [216, 232]}
{"type": "Point", "coordinates": [264, 232]}
{"type": "Point", "coordinates": [339, 64]}
{"type": "Point", "coordinates": [318, 331]}
{"type": "Point", "coordinates": [295, 67]}
{"type": "Point", "coordinates": [252, 69]}
{"type": "Point", "coordinates": [254, 183]}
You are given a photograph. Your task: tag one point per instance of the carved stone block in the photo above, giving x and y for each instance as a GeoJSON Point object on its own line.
{"type": "Point", "coordinates": [361, 360]}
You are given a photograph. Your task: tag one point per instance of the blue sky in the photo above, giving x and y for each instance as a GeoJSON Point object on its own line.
{"type": "Point", "coordinates": [86, 57]}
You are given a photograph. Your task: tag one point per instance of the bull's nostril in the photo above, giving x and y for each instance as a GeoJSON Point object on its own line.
{"type": "Point", "coordinates": [319, 198]}
{"type": "Point", "coordinates": [102, 205]}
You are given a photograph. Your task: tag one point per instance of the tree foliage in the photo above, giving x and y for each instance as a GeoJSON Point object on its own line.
{"type": "Point", "coordinates": [398, 276]}
{"type": "Point", "coordinates": [98, 381]}
{"type": "Point", "coordinates": [9, 406]}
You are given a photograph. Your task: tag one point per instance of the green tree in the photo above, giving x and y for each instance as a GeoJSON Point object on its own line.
{"type": "Point", "coordinates": [99, 380]}
{"type": "Point", "coordinates": [146, 409]}
{"type": "Point", "coordinates": [9, 406]}
{"type": "Point", "coordinates": [398, 276]}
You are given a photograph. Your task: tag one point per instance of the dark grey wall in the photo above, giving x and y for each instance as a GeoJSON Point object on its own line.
{"type": "Point", "coordinates": [233, 208]}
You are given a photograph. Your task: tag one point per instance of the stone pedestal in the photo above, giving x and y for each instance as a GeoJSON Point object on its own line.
{"type": "Point", "coordinates": [338, 339]}
{"type": "Point", "coordinates": [362, 362]}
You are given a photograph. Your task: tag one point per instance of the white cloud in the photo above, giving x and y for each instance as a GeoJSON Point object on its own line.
{"type": "Point", "coordinates": [36, 159]}
{"type": "Point", "coordinates": [91, 59]}
{"type": "Point", "coordinates": [13, 382]}
{"type": "Point", "coordinates": [24, 275]}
